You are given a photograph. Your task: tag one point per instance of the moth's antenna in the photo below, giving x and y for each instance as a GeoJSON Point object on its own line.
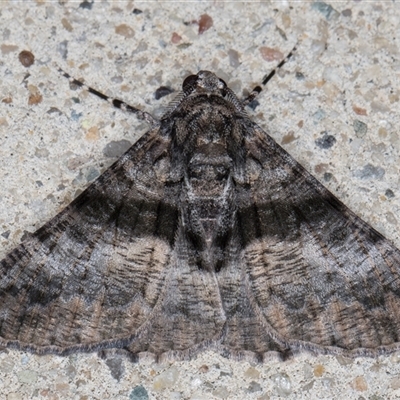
{"type": "Point", "coordinates": [257, 90]}
{"type": "Point", "coordinates": [115, 102]}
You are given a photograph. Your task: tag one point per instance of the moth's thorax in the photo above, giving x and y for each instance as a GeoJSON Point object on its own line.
{"type": "Point", "coordinates": [209, 170]}
{"type": "Point", "coordinates": [208, 110]}
{"type": "Point", "coordinates": [211, 126]}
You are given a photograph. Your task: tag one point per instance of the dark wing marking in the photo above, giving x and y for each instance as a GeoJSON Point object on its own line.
{"type": "Point", "coordinates": [94, 274]}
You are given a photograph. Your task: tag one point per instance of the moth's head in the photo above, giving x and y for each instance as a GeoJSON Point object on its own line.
{"type": "Point", "coordinates": [205, 82]}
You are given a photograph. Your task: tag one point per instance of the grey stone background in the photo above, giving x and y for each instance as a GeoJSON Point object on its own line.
{"type": "Point", "coordinates": [334, 107]}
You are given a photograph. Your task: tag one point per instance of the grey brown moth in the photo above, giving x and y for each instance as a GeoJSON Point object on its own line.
{"type": "Point", "coordinates": [205, 234]}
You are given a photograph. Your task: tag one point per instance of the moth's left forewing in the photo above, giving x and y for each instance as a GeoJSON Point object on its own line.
{"type": "Point", "coordinates": [93, 275]}
{"type": "Point", "coordinates": [320, 276]}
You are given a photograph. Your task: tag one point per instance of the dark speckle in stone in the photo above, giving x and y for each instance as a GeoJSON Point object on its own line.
{"type": "Point", "coordinates": [116, 148]}
{"type": "Point", "coordinates": [233, 58]}
{"type": "Point", "coordinates": [184, 45]}
{"type": "Point", "coordinates": [70, 371]}
{"type": "Point", "coordinates": [373, 397]}
{"type": "Point", "coordinates": [53, 110]}
{"type": "Point", "coordinates": [308, 386]}
{"type": "Point", "coordinates": [163, 43]}
{"type": "Point", "coordinates": [26, 58]}
{"type": "Point", "coordinates": [116, 367]}
{"type": "Point", "coordinates": [369, 171]}
{"type": "Point", "coordinates": [75, 116]}
{"type": "Point", "coordinates": [360, 128]}
{"type": "Point", "coordinates": [253, 387]}
{"type": "Point", "coordinates": [6, 234]}
{"type": "Point", "coordinates": [347, 12]}
{"type": "Point", "coordinates": [86, 5]}
{"type": "Point", "coordinates": [205, 23]}
{"type": "Point", "coordinates": [326, 141]}
{"type": "Point", "coordinates": [319, 115]}
{"type": "Point", "coordinates": [253, 104]}
{"type": "Point", "coordinates": [325, 9]}
{"type": "Point", "coordinates": [25, 235]}
{"type": "Point", "coordinates": [389, 194]}
{"type": "Point", "coordinates": [139, 393]}
{"type": "Point", "coordinates": [327, 176]}
{"type": "Point", "coordinates": [162, 91]}
{"type": "Point", "coordinates": [62, 48]}
{"type": "Point", "coordinates": [117, 79]}
{"type": "Point", "coordinates": [136, 11]}
{"type": "Point", "coordinates": [92, 174]}
{"type": "Point", "coordinates": [282, 33]}
{"type": "Point", "coordinates": [6, 34]}
{"type": "Point", "coordinates": [74, 86]}
{"type": "Point", "coordinates": [300, 76]}
{"type": "Point", "coordinates": [76, 100]}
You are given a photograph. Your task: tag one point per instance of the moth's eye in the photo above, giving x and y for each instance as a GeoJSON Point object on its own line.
{"type": "Point", "coordinates": [222, 87]}
{"type": "Point", "coordinates": [189, 81]}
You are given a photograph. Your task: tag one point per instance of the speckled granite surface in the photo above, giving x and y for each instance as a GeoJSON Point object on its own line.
{"type": "Point", "coordinates": [334, 107]}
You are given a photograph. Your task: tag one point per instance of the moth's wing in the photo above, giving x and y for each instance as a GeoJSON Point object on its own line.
{"type": "Point", "coordinates": [245, 335]}
{"type": "Point", "coordinates": [318, 276]}
{"type": "Point", "coordinates": [95, 273]}
{"type": "Point", "coordinates": [190, 317]}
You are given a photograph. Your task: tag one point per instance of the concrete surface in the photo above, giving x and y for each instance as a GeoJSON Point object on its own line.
{"type": "Point", "coordinates": [342, 83]}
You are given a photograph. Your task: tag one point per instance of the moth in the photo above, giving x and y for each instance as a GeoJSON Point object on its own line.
{"type": "Point", "coordinates": [205, 234]}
